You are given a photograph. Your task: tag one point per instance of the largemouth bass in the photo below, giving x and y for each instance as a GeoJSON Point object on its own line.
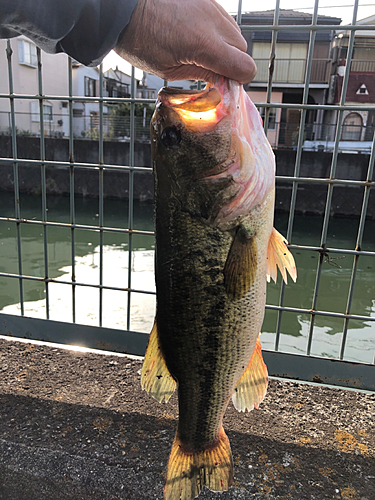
{"type": "Point", "coordinates": [215, 245]}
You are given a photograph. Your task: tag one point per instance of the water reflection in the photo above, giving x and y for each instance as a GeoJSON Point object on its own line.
{"type": "Point", "coordinates": [333, 292]}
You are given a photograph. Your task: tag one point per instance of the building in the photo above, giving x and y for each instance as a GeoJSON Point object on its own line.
{"type": "Point", "coordinates": [25, 82]}
{"type": "Point", "coordinates": [85, 83]}
{"type": "Point", "coordinates": [358, 126]}
{"type": "Point", "coordinates": [289, 71]}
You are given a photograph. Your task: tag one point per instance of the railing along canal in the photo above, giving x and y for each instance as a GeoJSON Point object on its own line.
{"type": "Point", "coordinates": [303, 367]}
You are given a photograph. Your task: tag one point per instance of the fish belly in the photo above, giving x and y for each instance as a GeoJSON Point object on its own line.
{"type": "Point", "coordinates": [206, 337]}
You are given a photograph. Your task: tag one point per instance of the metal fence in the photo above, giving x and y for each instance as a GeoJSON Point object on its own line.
{"type": "Point", "coordinates": [317, 136]}
{"type": "Point", "coordinates": [304, 366]}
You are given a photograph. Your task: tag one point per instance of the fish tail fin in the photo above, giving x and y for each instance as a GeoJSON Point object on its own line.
{"type": "Point", "coordinates": [188, 471]}
{"type": "Point", "coordinates": [252, 386]}
{"type": "Point", "coordinates": [279, 255]}
{"type": "Point", "coordinates": [155, 376]}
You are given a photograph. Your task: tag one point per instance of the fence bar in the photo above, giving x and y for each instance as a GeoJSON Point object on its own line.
{"type": "Point", "coordinates": [131, 200]}
{"type": "Point", "coordinates": [9, 53]}
{"type": "Point", "coordinates": [101, 195]}
{"type": "Point", "coordinates": [358, 246]}
{"type": "Point", "coordinates": [325, 107]}
{"type": "Point", "coordinates": [71, 187]}
{"type": "Point", "coordinates": [77, 226]}
{"type": "Point", "coordinates": [308, 27]}
{"type": "Point", "coordinates": [239, 12]}
{"type": "Point", "coordinates": [271, 67]}
{"type": "Point", "coordinates": [43, 177]}
{"type": "Point", "coordinates": [297, 165]}
{"type": "Point", "coordinates": [332, 175]}
{"type": "Point", "coordinates": [78, 165]}
{"type": "Point", "coordinates": [286, 178]}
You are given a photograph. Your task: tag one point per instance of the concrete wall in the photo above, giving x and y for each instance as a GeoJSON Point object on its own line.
{"type": "Point", "coordinates": [311, 198]}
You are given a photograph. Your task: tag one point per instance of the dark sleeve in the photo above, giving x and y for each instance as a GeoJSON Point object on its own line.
{"type": "Point", "coordinates": [84, 29]}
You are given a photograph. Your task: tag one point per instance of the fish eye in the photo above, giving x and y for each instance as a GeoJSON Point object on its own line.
{"type": "Point", "coordinates": [171, 137]}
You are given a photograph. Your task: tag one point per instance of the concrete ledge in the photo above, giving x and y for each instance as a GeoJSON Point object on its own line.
{"type": "Point", "coordinates": [77, 426]}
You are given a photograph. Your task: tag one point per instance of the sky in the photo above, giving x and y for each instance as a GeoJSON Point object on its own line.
{"type": "Point", "coordinates": [336, 8]}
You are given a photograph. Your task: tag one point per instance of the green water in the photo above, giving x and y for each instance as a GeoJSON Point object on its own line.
{"type": "Point", "coordinates": [334, 286]}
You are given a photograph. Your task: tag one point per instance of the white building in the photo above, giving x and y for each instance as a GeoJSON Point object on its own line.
{"type": "Point", "coordinates": [85, 83]}
{"type": "Point", "coordinates": [25, 82]}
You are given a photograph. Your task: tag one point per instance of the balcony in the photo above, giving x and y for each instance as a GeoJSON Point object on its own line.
{"type": "Point", "coordinates": [363, 66]}
{"type": "Point", "coordinates": [293, 71]}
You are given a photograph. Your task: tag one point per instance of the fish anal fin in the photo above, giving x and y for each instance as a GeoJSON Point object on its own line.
{"type": "Point", "coordinates": [241, 265]}
{"type": "Point", "coordinates": [279, 255]}
{"type": "Point", "coordinates": [189, 471]}
{"type": "Point", "coordinates": [155, 376]}
{"type": "Point", "coordinates": [252, 386]}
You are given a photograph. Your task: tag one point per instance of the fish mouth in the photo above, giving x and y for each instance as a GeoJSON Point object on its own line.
{"type": "Point", "coordinates": [198, 110]}
{"type": "Point", "coordinates": [195, 101]}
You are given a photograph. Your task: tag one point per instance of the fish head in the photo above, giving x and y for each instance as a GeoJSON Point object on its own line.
{"type": "Point", "coordinates": [210, 151]}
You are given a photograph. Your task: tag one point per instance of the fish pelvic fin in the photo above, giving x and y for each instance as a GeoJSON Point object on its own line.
{"type": "Point", "coordinates": [155, 377]}
{"type": "Point", "coordinates": [241, 265]}
{"type": "Point", "coordinates": [188, 472]}
{"type": "Point", "coordinates": [279, 255]}
{"type": "Point", "coordinates": [252, 386]}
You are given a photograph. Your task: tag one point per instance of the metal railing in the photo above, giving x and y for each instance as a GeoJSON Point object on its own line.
{"type": "Point", "coordinates": [281, 134]}
{"type": "Point", "coordinates": [85, 126]}
{"type": "Point", "coordinates": [305, 367]}
{"type": "Point", "coordinates": [365, 66]}
{"type": "Point", "coordinates": [293, 70]}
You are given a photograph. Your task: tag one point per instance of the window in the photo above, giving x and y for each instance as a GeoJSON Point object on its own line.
{"type": "Point", "coordinates": [90, 87]}
{"type": "Point", "coordinates": [362, 90]}
{"type": "Point", "coordinates": [47, 112]}
{"type": "Point", "coordinates": [27, 53]}
{"type": "Point", "coordinates": [271, 119]}
{"type": "Point", "coordinates": [352, 128]}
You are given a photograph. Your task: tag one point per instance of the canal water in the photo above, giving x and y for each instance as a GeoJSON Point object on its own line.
{"type": "Point", "coordinates": [333, 292]}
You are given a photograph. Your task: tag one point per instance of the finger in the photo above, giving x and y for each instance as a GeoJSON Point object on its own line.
{"type": "Point", "coordinates": [189, 72]}
{"type": "Point", "coordinates": [230, 62]}
{"type": "Point", "coordinates": [235, 39]}
{"type": "Point", "coordinates": [243, 72]}
{"type": "Point", "coordinates": [225, 14]}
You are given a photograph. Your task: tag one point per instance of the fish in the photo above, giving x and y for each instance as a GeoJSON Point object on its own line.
{"type": "Point", "coordinates": [214, 188]}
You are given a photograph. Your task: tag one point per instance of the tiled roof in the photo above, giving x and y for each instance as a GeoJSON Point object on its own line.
{"type": "Point", "coordinates": [289, 14]}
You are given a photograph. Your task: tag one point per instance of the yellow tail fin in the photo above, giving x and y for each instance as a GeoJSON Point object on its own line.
{"type": "Point", "coordinates": [188, 472]}
{"type": "Point", "coordinates": [252, 386]}
{"type": "Point", "coordinates": [278, 254]}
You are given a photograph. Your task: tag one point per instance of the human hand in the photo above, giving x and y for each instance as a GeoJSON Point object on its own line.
{"type": "Point", "coordinates": [180, 39]}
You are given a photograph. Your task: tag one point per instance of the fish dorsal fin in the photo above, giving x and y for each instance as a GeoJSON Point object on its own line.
{"type": "Point", "coordinates": [252, 386]}
{"type": "Point", "coordinates": [241, 265]}
{"type": "Point", "coordinates": [155, 377]}
{"type": "Point", "coordinates": [279, 255]}
{"type": "Point", "coordinates": [189, 471]}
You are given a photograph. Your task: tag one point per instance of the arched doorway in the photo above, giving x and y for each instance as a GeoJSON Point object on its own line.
{"type": "Point", "coordinates": [352, 127]}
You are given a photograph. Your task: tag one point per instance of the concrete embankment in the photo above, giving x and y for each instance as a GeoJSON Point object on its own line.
{"type": "Point", "coordinates": [311, 198]}
{"type": "Point", "coordinates": [77, 426]}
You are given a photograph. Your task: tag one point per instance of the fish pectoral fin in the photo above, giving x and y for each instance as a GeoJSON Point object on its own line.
{"type": "Point", "coordinates": [155, 377]}
{"type": "Point", "coordinates": [252, 386]}
{"type": "Point", "coordinates": [279, 255]}
{"type": "Point", "coordinates": [188, 472]}
{"type": "Point", "coordinates": [241, 265]}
